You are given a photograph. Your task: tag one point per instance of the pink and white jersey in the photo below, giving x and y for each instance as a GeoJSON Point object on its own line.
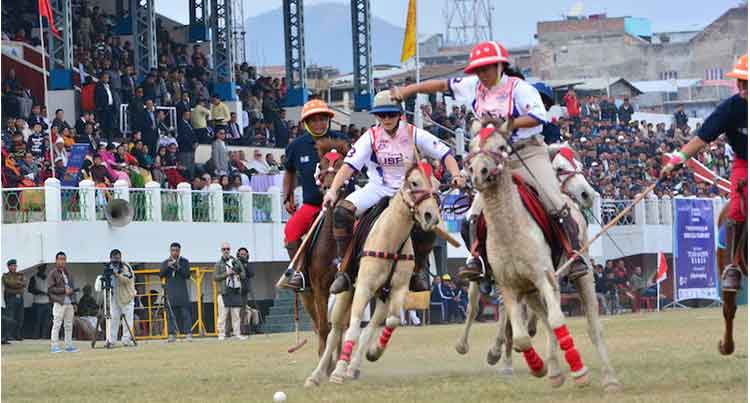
{"type": "Point", "coordinates": [510, 97]}
{"type": "Point", "coordinates": [387, 158]}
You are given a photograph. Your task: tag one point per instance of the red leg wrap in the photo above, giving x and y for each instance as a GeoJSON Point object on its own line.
{"type": "Point", "coordinates": [566, 344]}
{"type": "Point", "coordinates": [573, 359]}
{"type": "Point", "coordinates": [346, 351]}
{"type": "Point", "coordinates": [533, 360]}
{"type": "Point", "coordinates": [385, 337]}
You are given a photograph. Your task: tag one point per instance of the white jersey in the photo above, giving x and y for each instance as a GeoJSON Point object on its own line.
{"type": "Point", "coordinates": [387, 158]}
{"type": "Point", "coordinates": [510, 96]}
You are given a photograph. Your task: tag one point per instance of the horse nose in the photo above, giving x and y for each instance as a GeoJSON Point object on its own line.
{"type": "Point", "coordinates": [484, 171]}
{"type": "Point", "coordinates": [585, 195]}
{"type": "Point", "coordinates": [428, 217]}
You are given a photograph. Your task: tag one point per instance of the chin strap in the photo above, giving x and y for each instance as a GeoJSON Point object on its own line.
{"type": "Point", "coordinates": [312, 133]}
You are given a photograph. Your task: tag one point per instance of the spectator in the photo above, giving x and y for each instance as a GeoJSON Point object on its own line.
{"type": "Point", "coordinates": [36, 141]}
{"type": "Point", "coordinates": [233, 130]}
{"type": "Point", "coordinates": [88, 309]}
{"type": "Point", "coordinates": [106, 105]}
{"type": "Point", "coordinates": [271, 163]}
{"type": "Point", "coordinates": [59, 121]}
{"type": "Point", "coordinates": [176, 271]}
{"type": "Point", "coordinates": [29, 168]}
{"type": "Point", "coordinates": [258, 164]}
{"type": "Point", "coordinates": [149, 132]}
{"type": "Point", "coordinates": [680, 118]}
{"type": "Point", "coordinates": [281, 131]}
{"type": "Point", "coordinates": [36, 117]}
{"type": "Point", "coordinates": [243, 256]}
{"type": "Point", "coordinates": [219, 113]}
{"type": "Point", "coordinates": [600, 286]}
{"type": "Point", "coordinates": [183, 104]}
{"type": "Point", "coordinates": [219, 154]}
{"type": "Point", "coordinates": [625, 111]}
{"type": "Point", "coordinates": [187, 143]}
{"type": "Point", "coordinates": [14, 285]}
{"type": "Point", "coordinates": [572, 105]}
{"type": "Point", "coordinates": [230, 275]}
{"type": "Point", "coordinates": [128, 83]}
{"type": "Point", "coordinates": [41, 310]}
{"type": "Point", "coordinates": [60, 286]}
{"type": "Point", "coordinates": [199, 120]}
{"type": "Point", "coordinates": [637, 286]}
{"type": "Point", "coordinates": [59, 151]}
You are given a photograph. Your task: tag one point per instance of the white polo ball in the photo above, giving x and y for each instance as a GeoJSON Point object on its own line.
{"type": "Point", "coordinates": [279, 397]}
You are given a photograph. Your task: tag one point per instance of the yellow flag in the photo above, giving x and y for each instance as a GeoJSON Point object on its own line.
{"type": "Point", "coordinates": [410, 35]}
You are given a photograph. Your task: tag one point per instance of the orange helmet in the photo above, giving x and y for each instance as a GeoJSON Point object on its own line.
{"type": "Point", "coordinates": [740, 69]}
{"type": "Point", "coordinates": [314, 107]}
{"type": "Point", "coordinates": [486, 53]}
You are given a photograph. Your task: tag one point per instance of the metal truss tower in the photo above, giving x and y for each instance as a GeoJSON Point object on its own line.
{"type": "Point", "coordinates": [467, 21]}
{"type": "Point", "coordinates": [238, 31]}
{"type": "Point", "coordinates": [143, 17]}
{"type": "Point", "coordinates": [362, 50]}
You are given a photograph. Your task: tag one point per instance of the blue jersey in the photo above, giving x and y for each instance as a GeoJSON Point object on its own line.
{"type": "Point", "coordinates": [730, 118]}
{"type": "Point", "coordinates": [302, 158]}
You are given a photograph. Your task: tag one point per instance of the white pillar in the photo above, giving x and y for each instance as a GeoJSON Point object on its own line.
{"type": "Point", "coordinates": [216, 204]}
{"type": "Point", "coordinates": [275, 203]}
{"type": "Point", "coordinates": [121, 190]}
{"type": "Point", "coordinates": [87, 200]}
{"type": "Point", "coordinates": [52, 200]}
{"type": "Point", "coordinates": [246, 204]}
{"type": "Point", "coordinates": [665, 204]}
{"type": "Point", "coordinates": [153, 201]}
{"type": "Point", "coordinates": [186, 202]}
{"type": "Point", "coordinates": [639, 213]}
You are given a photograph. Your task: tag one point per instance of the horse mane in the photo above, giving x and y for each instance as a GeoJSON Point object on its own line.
{"type": "Point", "coordinates": [328, 144]}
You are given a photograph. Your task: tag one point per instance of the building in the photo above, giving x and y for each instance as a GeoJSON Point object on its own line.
{"type": "Point", "coordinates": [599, 46]}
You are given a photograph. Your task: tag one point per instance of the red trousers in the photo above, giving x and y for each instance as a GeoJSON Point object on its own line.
{"type": "Point", "coordinates": [300, 222]}
{"type": "Point", "coordinates": [737, 200]}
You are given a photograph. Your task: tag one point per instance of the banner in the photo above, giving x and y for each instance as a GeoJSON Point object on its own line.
{"type": "Point", "coordinates": [75, 162]}
{"type": "Point", "coordinates": [694, 249]}
{"type": "Point", "coordinates": [453, 220]}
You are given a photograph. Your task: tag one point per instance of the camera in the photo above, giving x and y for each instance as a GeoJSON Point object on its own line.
{"type": "Point", "coordinates": [106, 278]}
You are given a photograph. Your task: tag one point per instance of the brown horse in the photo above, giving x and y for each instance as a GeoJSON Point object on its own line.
{"type": "Point", "coordinates": [723, 259]}
{"type": "Point", "coordinates": [318, 260]}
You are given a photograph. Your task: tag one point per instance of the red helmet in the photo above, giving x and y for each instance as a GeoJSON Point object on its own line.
{"type": "Point", "coordinates": [486, 53]}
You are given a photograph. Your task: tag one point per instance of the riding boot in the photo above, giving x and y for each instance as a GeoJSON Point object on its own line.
{"type": "Point", "coordinates": [731, 278]}
{"type": "Point", "coordinates": [343, 225]}
{"type": "Point", "coordinates": [472, 270]}
{"type": "Point", "coordinates": [294, 277]}
{"type": "Point", "coordinates": [570, 227]}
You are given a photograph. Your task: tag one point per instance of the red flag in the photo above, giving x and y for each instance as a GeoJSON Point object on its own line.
{"type": "Point", "coordinates": [702, 173]}
{"type": "Point", "coordinates": [45, 10]}
{"type": "Point", "coordinates": [661, 271]}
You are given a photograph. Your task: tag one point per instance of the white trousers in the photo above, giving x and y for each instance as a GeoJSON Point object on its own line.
{"type": "Point", "coordinates": [113, 325]}
{"type": "Point", "coordinates": [223, 313]}
{"type": "Point", "coordinates": [62, 313]}
{"type": "Point", "coordinates": [368, 196]}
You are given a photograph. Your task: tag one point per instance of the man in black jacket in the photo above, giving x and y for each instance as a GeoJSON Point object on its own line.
{"type": "Point", "coordinates": [187, 142]}
{"type": "Point", "coordinates": [137, 111]}
{"type": "Point", "coordinates": [149, 131]}
{"type": "Point", "coordinates": [41, 308]}
{"type": "Point", "coordinates": [106, 101]}
{"type": "Point", "coordinates": [175, 273]}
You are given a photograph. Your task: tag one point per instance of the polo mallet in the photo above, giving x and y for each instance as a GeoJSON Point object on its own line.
{"type": "Point", "coordinates": [299, 344]}
{"type": "Point", "coordinates": [606, 228]}
{"type": "Point", "coordinates": [305, 242]}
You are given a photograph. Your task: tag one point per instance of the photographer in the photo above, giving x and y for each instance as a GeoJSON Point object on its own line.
{"type": "Point", "coordinates": [243, 255]}
{"type": "Point", "coordinates": [175, 272]}
{"type": "Point", "coordinates": [230, 275]}
{"type": "Point", "coordinates": [60, 287]}
{"type": "Point", "coordinates": [119, 280]}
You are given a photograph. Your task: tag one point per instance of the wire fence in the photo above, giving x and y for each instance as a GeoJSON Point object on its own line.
{"type": "Point", "coordinates": [23, 205]}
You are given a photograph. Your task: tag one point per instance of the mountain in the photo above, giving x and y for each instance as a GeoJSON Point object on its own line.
{"type": "Point", "coordinates": [328, 38]}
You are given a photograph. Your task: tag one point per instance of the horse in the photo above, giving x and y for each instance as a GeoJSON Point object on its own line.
{"type": "Point", "coordinates": [574, 186]}
{"type": "Point", "coordinates": [522, 264]}
{"type": "Point", "coordinates": [318, 259]}
{"type": "Point", "coordinates": [385, 268]}
{"type": "Point", "coordinates": [729, 298]}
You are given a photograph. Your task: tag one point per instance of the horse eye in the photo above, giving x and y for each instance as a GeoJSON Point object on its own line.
{"type": "Point", "coordinates": [414, 184]}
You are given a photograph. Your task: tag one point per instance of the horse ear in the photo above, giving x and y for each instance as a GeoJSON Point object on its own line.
{"type": "Point", "coordinates": [505, 129]}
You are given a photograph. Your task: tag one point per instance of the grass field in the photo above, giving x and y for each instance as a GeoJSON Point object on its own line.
{"type": "Point", "coordinates": [666, 357]}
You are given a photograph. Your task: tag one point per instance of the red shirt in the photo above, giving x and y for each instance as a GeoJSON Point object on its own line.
{"type": "Point", "coordinates": [571, 103]}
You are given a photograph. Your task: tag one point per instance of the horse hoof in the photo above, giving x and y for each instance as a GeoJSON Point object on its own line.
{"type": "Point", "coordinates": [338, 380]}
{"type": "Point", "coordinates": [557, 380]}
{"type": "Point", "coordinates": [506, 372]}
{"type": "Point", "coordinates": [311, 383]}
{"type": "Point", "coordinates": [492, 358]}
{"type": "Point", "coordinates": [462, 348]}
{"type": "Point", "coordinates": [613, 387]}
{"type": "Point", "coordinates": [373, 355]}
{"type": "Point", "coordinates": [352, 374]}
{"type": "Point", "coordinates": [541, 373]}
{"type": "Point", "coordinates": [726, 348]}
{"type": "Point", "coordinates": [583, 379]}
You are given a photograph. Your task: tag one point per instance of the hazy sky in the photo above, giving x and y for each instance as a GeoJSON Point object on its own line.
{"type": "Point", "coordinates": [514, 22]}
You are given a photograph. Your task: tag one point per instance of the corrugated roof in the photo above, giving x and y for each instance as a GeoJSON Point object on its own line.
{"type": "Point", "coordinates": [665, 85]}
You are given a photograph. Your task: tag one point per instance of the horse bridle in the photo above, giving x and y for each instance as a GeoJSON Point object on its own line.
{"type": "Point", "coordinates": [418, 196]}
{"type": "Point", "coordinates": [498, 157]}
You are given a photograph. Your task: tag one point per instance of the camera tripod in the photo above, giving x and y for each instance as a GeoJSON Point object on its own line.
{"type": "Point", "coordinates": [104, 317]}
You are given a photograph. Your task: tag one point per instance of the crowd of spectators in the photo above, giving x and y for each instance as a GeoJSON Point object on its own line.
{"type": "Point", "coordinates": [618, 286]}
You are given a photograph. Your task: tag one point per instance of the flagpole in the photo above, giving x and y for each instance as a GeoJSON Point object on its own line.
{"type": "Point", "coordinates": [658, 296]}
{"type": "Point", "coordinates": [44, 80]}
{"type": "Point", "coordinates": [418, 118]}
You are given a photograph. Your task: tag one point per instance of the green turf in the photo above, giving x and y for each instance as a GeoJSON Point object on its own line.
{"type": "Point", "coordinates": [666, 357]}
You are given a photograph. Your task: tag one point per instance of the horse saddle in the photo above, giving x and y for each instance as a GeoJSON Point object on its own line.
{"type": "Point", "coordinates": [552, 231]}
